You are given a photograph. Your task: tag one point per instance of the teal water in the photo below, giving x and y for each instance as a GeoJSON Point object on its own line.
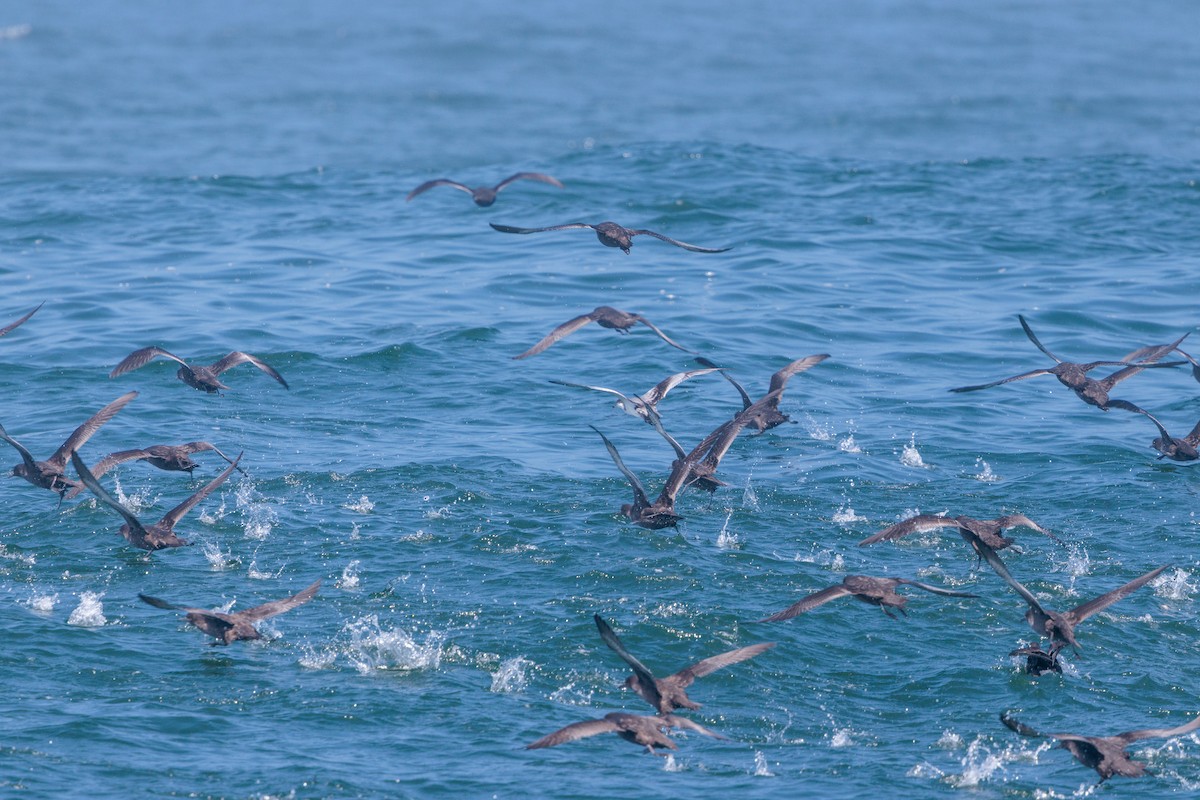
{"type": "Point", "coordinates": [897, 183]}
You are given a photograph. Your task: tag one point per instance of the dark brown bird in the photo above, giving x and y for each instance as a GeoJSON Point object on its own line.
{"type": "Point", "coordinates": [766, 414]}
{"type": "Point", "coordinates": [1074, 376]}
{"type": "Point", "coordinates": [1038, 661]}
{"type": "Point", "coordinates": [646, 731]}
{"type": "Point", "coordinates": [484, 195]}
{"type": "Point", "coordinates": [169, 457]}
{"type": "Point", "coordinates": [228, 627]}
{"type": "Point", "coordinates": [1105, 754]}
{"type": "Point", "coordinates": [605, 317]}
{"type": "Point", "coordinates": [645, 405]}
{"type": "Point", "coordinates": [660, 513]}
{"type": "Point", "coordinates": [1060, 627]}
{"type": "Point", "coordinates": [1162, 350]}
{"type": "Point", "coordinates": [48, 474]}
{"type": "Point", "coordinates": [161, 534]}
{"type": "Point", "coordinates": [986, 530]}
{"type": "Point", "coordinates": [876, 591]}
{"type": "Point", "coordinates": [611, 234]}
{"type": "Point", "coordinates": [204, 378]}
{"type": "Point", "coordinates": [669, 693]}
{"type": "Point", "coordinates": [1176, 449]}
{"type": "Point", "coordinates": [8, 328]}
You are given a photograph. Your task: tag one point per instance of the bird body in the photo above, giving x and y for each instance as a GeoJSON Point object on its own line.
{"type": "Point", "coordinates": [229, 627]}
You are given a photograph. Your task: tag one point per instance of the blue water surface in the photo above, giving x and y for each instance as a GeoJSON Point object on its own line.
{"type": "Point", "coordinates": [896, 182]}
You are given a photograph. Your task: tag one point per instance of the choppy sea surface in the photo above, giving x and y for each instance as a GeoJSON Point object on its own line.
{"type": "Point", "coordinates": [897, 182]}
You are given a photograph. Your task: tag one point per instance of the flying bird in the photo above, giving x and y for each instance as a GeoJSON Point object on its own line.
{"type": "Point", "coordinates": [661, 513]}
{"type": "Point", "coordinates": [48, 474]}
{"type": "Point", "coordinates": [1060, 626]}
{"type": "Point", "coordinates": [876, 591]}
{"type": "Point", "coordinates": [484, 195]}
{"type": "Point", "coordinates": [987, 531]}
{"type": "Point", "coordinates": [611, 234]}
{"type": "Point", "coordinates": [198, 377]}
{"type": "Point", "coordinates": [1074, 376]}
{"type": "Point", "coordinates": [766, 413]}
{"type": "Point", "coordinates": [161, 534]}
{"type": "Point", "coordinates": [642, 406]}
{"type": "Point", "coordinates": [228, 627]}
{"type": "Point", "coordinates": [169, 457]}
{"type": "Point", "coordinates": [646, 731]}
{"type": "Point", "coordinates": [669, 693]}
{"type": "Point", "coordinates": [1174, 448]}
{"type": "Point", "coordinates": [1105, 754]}
{"type": "Point", "coordinates": [8, 328]}
{"type": "Point", "coordinates": [605, 317]}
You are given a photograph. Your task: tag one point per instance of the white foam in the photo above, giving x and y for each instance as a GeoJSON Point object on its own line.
{"type": "Point", "coordinates": [90, 611]}
{"type": "Point", "coordinates": [845, 515]}
{"type": "Point", "coordinates": [349, 579]}
{"type": "Point", "coordinates": [42, 604]}
{"type": "Point", "coordinates": [910, 456]}
{"type": "Point", "coordinates": [372, 647]}
{"type": "Point", "coordinates": [363, 505]}
{"type": "Point", "coordinates": [511, 676]}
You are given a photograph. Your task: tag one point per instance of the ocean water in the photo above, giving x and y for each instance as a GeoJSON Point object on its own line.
{"type": "Point", "coordinates": [897, 182]}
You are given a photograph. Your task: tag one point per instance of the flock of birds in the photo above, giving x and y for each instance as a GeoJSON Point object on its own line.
{"type": "Point", "coordinates": [695, 467]}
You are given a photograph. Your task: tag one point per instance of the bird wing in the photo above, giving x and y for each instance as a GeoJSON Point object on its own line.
{"type": "Point", "coordinates": [709, 665]}
{"type": "Point", "coordinates": [676, 242]}
{"type": "Point", "coordinates": [1015, 725]}
{"type": "Point", "coordinates": [89, 480]}
{"type": "Point", "coordinates": [614, 642]}
{"type": "Point", "coordinates": [935, 589]}
{"type": "Point", "coordinates": [662, 335]}
{"type": "Point", "coordinates": [566, 329]}
{"type": "Point", "coordinates": [779, 379]}
{"type": "Point", "coordinates": [238, 357]}
{"type": "Point", "coordinates": [808, 603]}
{"type": "Point", "coordinates": [568, 226]}
{"type": "Point", "coordinates": [989, 555]}
{"type": "Point", "coordinates": [921, 522]}
{"type": "Point", "coordinates": [113, 459]}
{"type": "Point", "coordinates": [1080, 613]}
{"type": "Point", "coordinates": [712, 448]}
{"type": "Point", "coordinates": [529, 176]}
{"type": "Point", "coordinates": [1158, 733]}
{"type": "Point", "coordinates": [154, 601]}
{"type": "Point", "coordinates": [26, 456]}
{"type": "Point", "coordinates": [656, 421]}
{"type": "Point", "coordinates": [1022, 521]}
{"type": "Point", "coordinates": [427, 185]}
{"type": "Point", "coordinates": [1021, 377]}
{"type": "Point", "coordinates": [85, 431]}
{"type": "Point", "coordinates": [1192, 438]}
{"type": "Point", "coordinates": [576, 730]}
{"type": "Point", "coordinates": [746, 401]}
{"type": "Point", "coordinates": [594, 389]}
{"type": "Point", "coordinates": [140, 358]}
{"type": "Point", "coordinates": [22, 320]}
{"type": "Point", "coordinates": [279, 606]}
{"type": "Point", "coordinates": [655, 395]}
{"type": "Point", "coordinates": [1034, 339]}
{"type": "Point", "coordinates": [686, 724]}
{"type": "Point", "coordinates": [639, 492]}
{"type": "Point", "coordinates": [172, 517]}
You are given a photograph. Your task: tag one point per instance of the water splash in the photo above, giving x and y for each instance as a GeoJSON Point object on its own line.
{"type": "Point", "coordinates": [985, 473]}
{"type": "Point", "coordinates": [511, 676]}
{"type": "Point", "coordinates": [848, 445]}
{"type": "Point", "coordinates": [845, 515]}
{"type": "Point", "coordinates": [750, 497]}
{"type": "Point", "coordinates": [90, 611]}
{"type": "Point", "coordinates": [363, 505]}
{"type": "Point", "coordinates": [261, 517]}
{"type": "Point", "coordinates": [727, 540]}
{"type": "Point", "coordinates": [219, 559]}
{"type": "Point", "coordinates": [26, 559]}
{"type": "Point", "coordinates": [571, 695]}
{"type": "Point", "coordinates": [42, 604]}
{"type": "Point", "coordinates": [1174, 585]}
{"type": "Point", "coordinates": [910, 456]}
{"type": "Point", "coordinates": [256, 574]}
{"type": "Point", "coordinates": [671, 765]}
{"type": "Point", "coordinates": [980, 763]}
{"type": "Point", "coordinates": [349, 579]}
{"type": "Point", "coordinates": [760, 766]}
{"type": "Point", "coordinates": [373, 648]}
